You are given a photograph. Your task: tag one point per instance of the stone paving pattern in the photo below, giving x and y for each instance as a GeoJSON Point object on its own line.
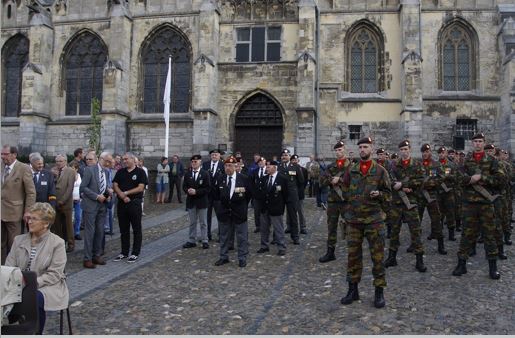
{"type": "Point", "coordinates": [181, 292]}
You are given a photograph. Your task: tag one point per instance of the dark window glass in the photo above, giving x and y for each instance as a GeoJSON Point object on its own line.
{"type": "Point", "coordinates": [155, 55]}
{"type": "Point", "coordinates": [242, 52]}
{"type": "Point", "coordinates": [258, 44]}
{"type": "Point", "coordinates": [15, 56]}
{"type": "Point", "coordinates": [466, 128]}
{"type": "Point", "coordinates": [243, 34]}
{"type": "Point", "coordinates": [84, 67]}
{"type": "Point", "coordinates": [9, 12]}
{"type": "Point", "coordinates": [274, 33]}
{"type": "Point", "coordinates": [456, 59]}
{"type": "Point", "coordinates": [364, 60]}
{"type": "Point", "coordinates": [273, 51]}
{"type": "Point", "coordinates": [354, 132]}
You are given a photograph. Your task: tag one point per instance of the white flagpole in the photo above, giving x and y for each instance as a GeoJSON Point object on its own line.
{"type": "Point", "coordinates": [166, 102]}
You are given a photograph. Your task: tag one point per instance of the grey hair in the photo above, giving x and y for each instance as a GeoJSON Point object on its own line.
{"type": "Point", "coordinates": [104, 154]}
{"type": "Point", "coordinates": [60, 155]}
{"type": "Point", "coordinates": [34, 157]}
{"type": "Point", "coordinates": [131, 155]}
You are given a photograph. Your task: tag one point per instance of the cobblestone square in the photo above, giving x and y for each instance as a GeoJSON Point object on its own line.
{"type": "Point", "coordinates": [171, 290]}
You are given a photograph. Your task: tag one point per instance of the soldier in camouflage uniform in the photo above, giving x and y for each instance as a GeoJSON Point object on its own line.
{"type": "Point", "coordinates": [367, 190]}
{"type": "Point", "coordinates": [383, 161]}
{"type": "Point", "coordinates": [507, 230]}
{"type": "Point", "coordinates": [481, 175]}
{"type": "Point", "coordinates": [446, 195]}
{"type": "Point", "coordinates": [501, 205]}
{"type": "Point", "coordinates": [428, 195]}
{"type": "Point", "coordinates": [330, 178]}
{"type": "Point", "coordinates": [407, 177]}
{"type": "Point", "coordinates": [457, 188]}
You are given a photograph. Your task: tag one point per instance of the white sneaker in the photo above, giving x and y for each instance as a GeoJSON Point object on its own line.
{"type": "Point", "coordinates": [119, 257]}
{"type": "Point", "coordinates": [132, 258]}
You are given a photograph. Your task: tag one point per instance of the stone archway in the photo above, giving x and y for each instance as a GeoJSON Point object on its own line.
{"type": "Point", "coordinates": [258, 127]}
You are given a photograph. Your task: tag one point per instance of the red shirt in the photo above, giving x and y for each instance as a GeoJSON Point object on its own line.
{"type": "Point", "coordinates": [365, 166]}
{"type": "Point", "coordinates": [340, 163]}
{"type": "Point", "coordinates": [478, 156]}
{"type": "Point", "coordinates": [405, 163]}
{"type": "Point", "coordinates": [443, 161]}
{"type": "Point", "coordinates": [426, 163]}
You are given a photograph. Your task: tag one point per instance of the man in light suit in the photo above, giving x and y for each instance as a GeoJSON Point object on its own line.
{"type": "Point", "coordinates": [96, 193]}
{"type": "Point", "coordinates": [65, 180]}
{"type": "Point", "coordinates": [43, 180]}
{"type": "Point", "coordinates": [18, 195]}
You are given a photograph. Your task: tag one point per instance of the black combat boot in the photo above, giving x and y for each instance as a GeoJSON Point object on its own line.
{"type": "Point", "coordinates": [329, 256]}
{"type": "Point", "coordinates": [419, 265]}
{"type": "Point", "coordinates": [458, 225]}
{"type": "Point", "coordinates": [451, 235]}
{"type": "Point", "coordinates": [379, 298]}
{"type": "Point", "coordinates": [492, 265]}
{"type": "Point", "coordinates": [410, 248]}
{"type": "Point", "coordinates": [461, 268]}
{"type": "Point", "coordinates": [352, 294]}
{"type": "Point", "coordinates": [431, 236]}
{"type": "Point", "coordinates": [507, 239]}
{"type": "Point", "coordinates": [441, 248]}
{"type": "Point", "coordinates": [501, 254]}
{"type": "Point", "coordinates": [392, 259]}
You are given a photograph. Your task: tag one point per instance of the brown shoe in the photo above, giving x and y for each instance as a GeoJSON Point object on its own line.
{"type": "Point", "coordinates": [98, 260]}
{"type": "Point", "coordinates": [89, 265]}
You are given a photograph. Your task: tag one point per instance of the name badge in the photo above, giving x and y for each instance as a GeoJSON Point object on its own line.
{"type": "Point", "coordinates": [277, 188]}
{"type": "Point", "coordinates": [43, 183]}
{"type": "Point", "coordinates": [239, 189]}
{"type": "Point", "coordinates": [292, 172]}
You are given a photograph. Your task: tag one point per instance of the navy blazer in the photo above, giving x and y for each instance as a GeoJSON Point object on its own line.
{"type": "Point", "coordinates": [276, 197]}
{"type": "Point", "coordinates": [180, 169]}
{"type": "Point", "coordinates": [213, 178]}
{"type": "Point", "coordinates": [258, 192]}
{"type": "Point", "coordinates": [202, 186]}
{"type": "Point", "coordinates": [232, 209]}
{"type": "Point", "coordinates": [45, 188]}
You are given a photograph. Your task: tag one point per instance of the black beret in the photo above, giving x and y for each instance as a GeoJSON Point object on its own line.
{"type": "Point", "coordinates": [272, 162]}
{"type": "Point", "coordinates": [230, 159]}
{"type": "Point", "coordinates": [195, 157]}
{"type": "Point", "coordinates": [441, 150]}
{"type": "Point", "coordinates": [365, 140]}
{"type": "Point", "coordinates": [380, 151]}
{"type": "Point", "coordinates": [262, 159]}
{"type": "Point", "coordinates": [339, 144]}
{"type": "Point", "coordinates": [404, 143]}
{"type": "Point", "coordinates": [294, 157]}
{"type": "Point", "coordinates": [285, 151]}
{"type": "Point", "coordinates": [489, 147]}
{"type": "Point", "coordinates": [478, 136]}
{"type": "Point", "coordinates": [504, 151]}
{"type": "Point", "coordinates": [425, 147]}
{"type": "Point", "coordinates": [394, 156]}
{"type": "Point", "coordinates": [214, 151]}
{"type": "Point", "coordinates": [451, 151]}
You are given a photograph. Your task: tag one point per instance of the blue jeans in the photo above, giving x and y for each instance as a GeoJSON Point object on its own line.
{"type": "Point", "coordinates": [77, 217]}
{"type": "Point", "coordinates": [41, 310]}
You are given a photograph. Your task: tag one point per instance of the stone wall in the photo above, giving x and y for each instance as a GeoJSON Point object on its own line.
{"type": "Point", "coordinates": [10, 135]}
{"type": "Point", "coordinates": [65, 138]}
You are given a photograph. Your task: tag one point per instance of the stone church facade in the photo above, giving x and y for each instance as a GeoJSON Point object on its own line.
{"type": "Point", "coordinates": [257, 75]}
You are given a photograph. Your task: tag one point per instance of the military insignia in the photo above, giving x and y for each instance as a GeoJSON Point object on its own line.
{"type": "Point", "coordinates": [239, 189]}
{"type": "Point", "coordinates": [278, 188]}
{"type": "Point", "coordinates": [134, 177]}
{"type": "Point", "coordinates": [292, 172]}
{"type": "Point", "coordinates": [200, 182]}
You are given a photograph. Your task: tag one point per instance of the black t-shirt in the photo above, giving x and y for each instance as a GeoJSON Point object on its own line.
{"type": "Point", "coordinates": [129, 180]}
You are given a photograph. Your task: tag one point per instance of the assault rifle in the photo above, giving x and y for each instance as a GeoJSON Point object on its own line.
{"type": "Point", "coordinates": [402, 194]}
{"type": "Point", "coordinates": [482, 191]}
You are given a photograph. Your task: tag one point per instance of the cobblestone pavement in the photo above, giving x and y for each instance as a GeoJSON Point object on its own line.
{"type": "Point", "coordinates": [182, 292]}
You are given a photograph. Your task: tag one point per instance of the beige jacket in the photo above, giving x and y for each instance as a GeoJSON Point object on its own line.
{"type": "Point", "coordinates": [64, 188]}
{"type": "Point", "coordinates": [48, 265]}
{"type": "Point", "coordinates": [18, 193]}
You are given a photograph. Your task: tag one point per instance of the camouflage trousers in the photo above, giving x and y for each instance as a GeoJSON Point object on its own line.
{"type": "Point", "coordinates": [447, 205]}
{"type": "Point", "coordinates": [478, 218]}
{"type": "Point", "coordinates": [397, 213]}
{"type": "Point", "coordinates": [434, 214]}
{"type": "Point", "coordinates": [505, 226]}
{"type": "Point", "coordinates": [334, 211]}
{"type": "Point", "coordinates": [501, 221]}
{"type": "Point", "coordinates": [458, 210]}
{"type": "Point", "coordinates": [375, 234]}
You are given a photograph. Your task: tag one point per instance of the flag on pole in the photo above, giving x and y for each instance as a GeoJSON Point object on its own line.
{"type": "Point", "coordinates": [166, 102]}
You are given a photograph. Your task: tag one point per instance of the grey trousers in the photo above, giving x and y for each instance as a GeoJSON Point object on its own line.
{"type": "Point", "coordinates": [201, 215]}
{"type": "Point", "coordinates": [93, 232]}
{"type": "Point", "coordinates": [302, 219]}
{"type": "Point", "coordinates": [242, 235]}
{"type": "Point", "coordinates": [278, 228]}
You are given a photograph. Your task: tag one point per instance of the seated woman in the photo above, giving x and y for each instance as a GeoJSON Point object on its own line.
{"type": "Point", "coordinates": [43, 252]}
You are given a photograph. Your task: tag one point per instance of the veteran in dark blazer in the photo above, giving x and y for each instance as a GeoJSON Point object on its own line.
{"type": "Point", "coordinates": [196, 185]}
{"type": "Point", "coordinates": [257, 194]}
{"type": "Point", "coordinates": [43, 180]}
{"type": "Point", "coordinates": [233, 194]}
{"type": "Point", "coordinates": [18, 195]}
{"type": "Point", "coordinates": [215, 167]}
{"type": "Point", "coordinates": [275, 200]}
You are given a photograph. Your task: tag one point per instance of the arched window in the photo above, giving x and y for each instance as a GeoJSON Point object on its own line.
{"type": "Point", "coordinates": [457, 58]}
{"type": "Point", "coordinates": [365, 54]}
{"type": "Point", "coordinates": [84, 67]}
{"type": "Point", "coordinates": [154, 56]}
{"type": "Point", "coordinates": [15, 55]}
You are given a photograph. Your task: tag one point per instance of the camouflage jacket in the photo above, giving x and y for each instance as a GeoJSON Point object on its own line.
{"type": "Point", "coordinates": [325, 180]}
{"type": "Point", "coordinates": [433, 177]}
{"type": "Point", "coordinates": [491, 177]}
{"type": "Point", "coordinates": [314, 171]}
{"type": "Point", "coordinates": [361, 208]}
{"type": "Point", "coordinates": [450, 177]}
{"type": "Point", "coordinates": [506, 178]}
{"type": "Point", "coordinates": [411, 177]}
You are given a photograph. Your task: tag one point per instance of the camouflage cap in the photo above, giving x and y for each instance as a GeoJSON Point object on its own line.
{"type": "Point", "coordinates": [404, 143]}
{"type": "Point", "coordinates": [425, 147]}
{"type": "Point", "coordinates": [478, 136]}
{"type": "Point", "coordinates": [339, 144]}
{"type": "Point", "coordinates": [365, 140]}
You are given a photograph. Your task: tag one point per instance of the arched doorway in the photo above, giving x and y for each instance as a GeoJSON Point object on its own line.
{"type": "Point", "coordinates": [258, 128]}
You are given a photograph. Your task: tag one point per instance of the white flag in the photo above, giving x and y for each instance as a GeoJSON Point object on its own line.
{"type": "Point", "coordinates": [166, 102]}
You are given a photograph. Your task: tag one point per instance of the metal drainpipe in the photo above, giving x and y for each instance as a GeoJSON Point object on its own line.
{"type": "Point", "coordinates": [317, 79]}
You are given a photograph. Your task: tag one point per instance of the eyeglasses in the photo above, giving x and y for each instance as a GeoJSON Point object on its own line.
{"type": "Point", "coordinates": [89, 159]}
{"type": "Point", "coordinates": [34, 219]}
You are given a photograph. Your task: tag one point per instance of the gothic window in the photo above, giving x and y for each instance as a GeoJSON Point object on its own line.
{"type": "Point", "coordinates": [457, 58]}
{"type": "Point", "coordinates": [84, 67]}
{"type": "Point", "coordinates": [15, 55]}
{"type": "Point", "coordinates": [365, 66]}
{"type": "Point", "coordinates": [155, 53]}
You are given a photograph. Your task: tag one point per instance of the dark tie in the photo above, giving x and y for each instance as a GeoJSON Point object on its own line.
{"type": "Point", "coordinates": [102, 182]}
{"type": "Point", "coordinates": [60, 171]}
{"type": "Point", "coordinates": [195, 175]}
{"type": "Point", "coordinates": [213, 169]}
{"type": "Point", "coordinates": [261, 173]}
{"type": "Point", "coordinates": [270, 182]}
{"type": "Point", "coordinates": [7, 170]}
{"type": "Point", "coordinates": [35, 178]}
